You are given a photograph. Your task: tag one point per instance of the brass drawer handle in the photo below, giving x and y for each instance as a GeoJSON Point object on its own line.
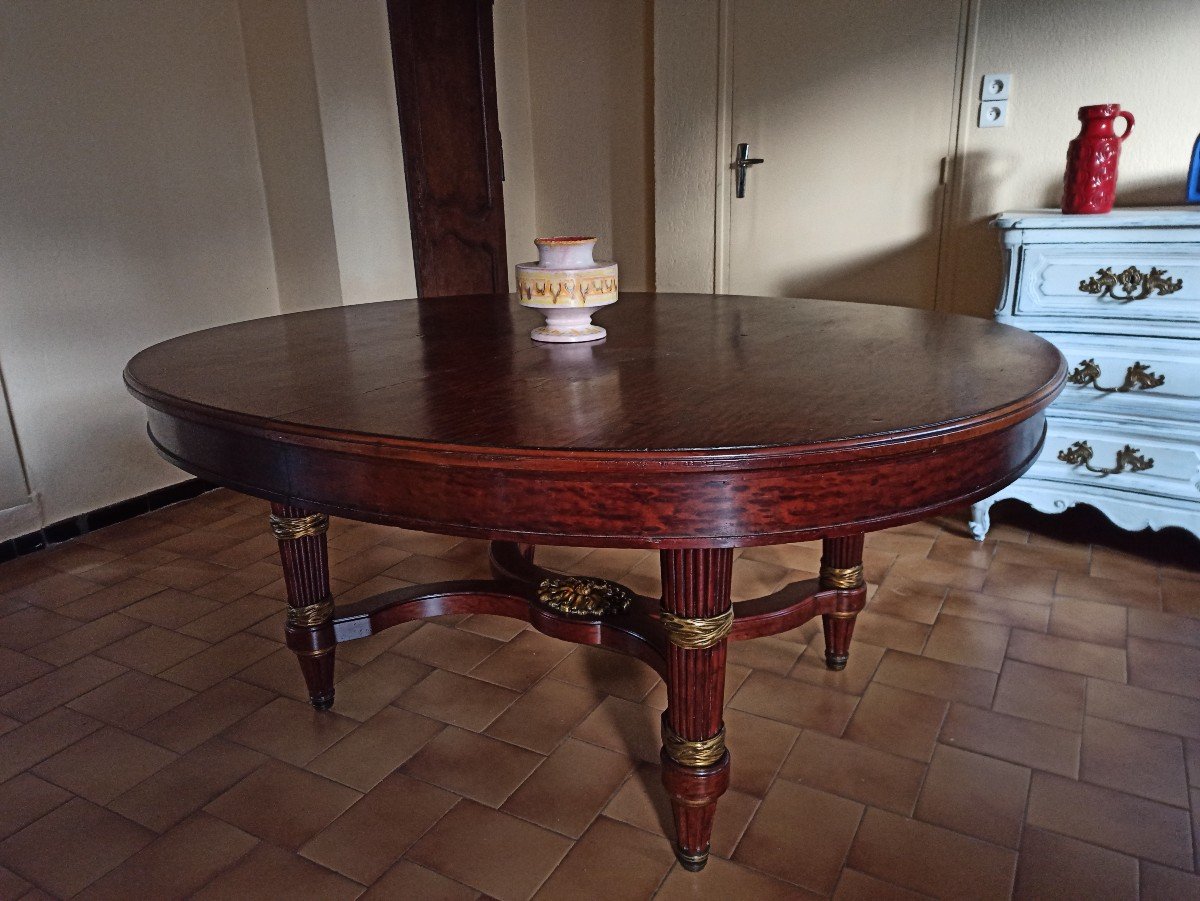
{"type": "Point", "coordinates": [1133, 284]}
{"type": "Point", "coordinates": [1136, 376]}
{"type": "Point", "coordinates": [1127, 458]}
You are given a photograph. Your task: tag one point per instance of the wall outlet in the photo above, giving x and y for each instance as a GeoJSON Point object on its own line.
{"type": "Point", "coordinates": [993, 114]}
{"type": "Point", "coordinates": [995, 87]}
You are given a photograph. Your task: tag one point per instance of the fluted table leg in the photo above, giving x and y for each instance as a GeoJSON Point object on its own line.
{"type": "Point", "coordinates": [842, 569]}
{"type": "Point", "coordinates": [309, 631]}
{"type": "Point", "coordinates": [696, 616]}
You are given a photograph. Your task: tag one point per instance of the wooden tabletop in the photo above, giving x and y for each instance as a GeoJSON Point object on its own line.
{"type": "Point", "coordinates": [677, 371]}
{"type": "Point", "coordinates": [699, 421]}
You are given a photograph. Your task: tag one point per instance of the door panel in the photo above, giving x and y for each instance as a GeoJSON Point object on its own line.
{"type": "Point", "coordinates": [851, 104]}
{"type": "Point", "coordinates": [445, 69]}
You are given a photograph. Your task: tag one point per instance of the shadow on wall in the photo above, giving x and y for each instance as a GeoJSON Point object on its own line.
{"type": "Point", "coordinates": [903, 275]}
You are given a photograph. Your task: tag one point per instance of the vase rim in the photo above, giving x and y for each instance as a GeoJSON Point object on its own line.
{"type": "Point", "coordinates": [1100, 109]}
{"type": "Point", "coordinates": [564, 240]}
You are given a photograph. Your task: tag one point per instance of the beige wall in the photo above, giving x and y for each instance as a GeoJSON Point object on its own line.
{"type": "Point", "coordinates": [1065, 54]}
{"type": "Point", "coordinates": [131, 210]}
{"type": "Point", "coordinates": [590, 83]}
{"type": "Point", "coordinates": [137, 139]}
{"type": "Point", "coordinates": [516, 130]}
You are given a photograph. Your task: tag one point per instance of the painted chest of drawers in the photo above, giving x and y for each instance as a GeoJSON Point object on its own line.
{"type": "Point", "coordinates": [1119, 294]}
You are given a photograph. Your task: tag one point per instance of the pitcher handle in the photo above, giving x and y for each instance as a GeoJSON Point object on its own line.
{"type": "Point", "coordinates": [1128, 117]}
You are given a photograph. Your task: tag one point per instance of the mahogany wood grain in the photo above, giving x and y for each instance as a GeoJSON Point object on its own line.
{"type": "Point", "coordinates": [306, 578]}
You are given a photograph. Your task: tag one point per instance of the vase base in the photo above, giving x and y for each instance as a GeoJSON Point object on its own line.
{"type": "Point", "coordinates": [567, 334]}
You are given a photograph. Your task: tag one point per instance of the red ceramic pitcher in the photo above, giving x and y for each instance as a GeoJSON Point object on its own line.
{"type": "Point", "coordinates": [1090, 182]}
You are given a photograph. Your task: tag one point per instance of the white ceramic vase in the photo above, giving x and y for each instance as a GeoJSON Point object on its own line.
{"type": "Point", "coordinates": [565, 285]}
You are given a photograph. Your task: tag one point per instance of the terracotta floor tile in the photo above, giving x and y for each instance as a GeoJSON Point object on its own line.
{"type": "Point", "coordinates": [938, 572]}
{"type": "Point", "coordinates": [362, 651]}
{"type": "Point", "coordinates": [1108, 591]}
{"type": "Point", "coordinates": [474, 766]}
{"type": "Point", "coordinates": [794, 702]}
{"type": "Point", "coordinates": [854, 679]}
{"type": "Point", "coordinates": [26, 798]}
{"type": "Point", "coordinates": [32, 626]}
{"type": "Point", "coordinates": [963, 551]}
{"type": "Point", "coordinates": [1165, 667]}
{"type": "Point", "coordinates": [930, 859]}
{"type": "Point", "coordinates": [282, 804]}
{"type": "Point", "coordinates": [501, 628]}
{"type": "Point", "coordinates": [1111, 819]}
{"type": "Point", "coordinates": [586, 870]}
{"type": "Point", "coordinates": [975, 795]}
{"type": "Point", "coordinates": [642, 801]}
{"type": "Point", "coordinates": [152, 650]}
{"type": "Point", "coordinates": [86, 639]}
{"type": "Point", "coordinates": [606, 671]}
{"type": "Point", "coordinates": [96, 841]}
{"type": "Point", "coordinates": [806, 556]}
{"type": "Point", "coordinates": [51, 592]}
{"type": "Point", "coordinates": [426, 542]}
{"type": "Point", "coordinates": [201, 717]}
{"type": "Point", "coordinates": [1060, 557]}
{"type": "Point", "coordinates": [231, 619]}
{"type": "Point", "coordinates": [176, 864]}
{"type": "Point", "coordinates": [584, 773]}
{"type": "Point", "coordinates": [1067, 654]}
{"type": "Point", "coordinates": [856, 886]}
{"type": "Point", "coordinates": [185, 574]}
{"type": "Point", "coordinates": [220, 661]}
{"type": "Point", "coordinates": [890, 632]}
{"type": "Point", "coordinates": [967, 642]}
{"type": "Point", "coordinates": [127, 567]}
{"type": "Point", "coordinates": [926, 675]}
{"type": "Point", "coordinates": [722, 879]}
{"type": "Point", "coordinates": [1134, 760]}
{"type": "Point", "coordinates": [290, 730]}
{"type": "Point", "coordinates": [1055, 866]}
{"type": "Point", "coordinates": [370, 836]}
{"type": "Point", "coordinates": [855, 771]}
{"type": "Point", "coordinates": [543, 716]}
{"type": "Point", "coordinates": [170, 608]}
{"type": "Point", "coordinates": [1002, 611]}
{"type": "Point", "coordinates": [58, 687]}
{"type": "Point", "coordinates": [460, 700]}
{"type": "Point", "coordinates": [104, 764]}
{"type": "Point", "coordinates": [26, 570]}
{"type": "Point", "coordinates": [1164, 883]}
{"type": "Point", "coordinates": [1018, 582]}
{"type": "Point", "coordinates": [186, 784]}
{"type": "Point", "coordinates": [1108, 563]}
{"type": "Point", "coordinates": [407, 879]}
{"type": "Point", "coordinates": [133, 535]}
{"type": "Point", "coordinates": [509, 858]}
{"type": "Point", "coordinates": [1181, 596]}
{"type": "Point", "coordinates": [270, 874]}
{"type": "Point", "coordinates": [1044, 695]}
{"type": "Point", "coordinates": [199, 544]}
{"type": "Point", "coordinates": [370, 689]}
{"type": "Point", "coordinates": [1089, 621]}
{"type": "Point", "coordinates": [760, 746]}
{"type": "Point", "coordinates": [13, 886]}
{"type": "Point", "coordinates": [771, 655]}
{"type": "Point", "coordinates": [898, 721]}
{"type": "Point", "coordinates": [131, 700]}
{"type": "Point", "coordinates": [419, 568]}
{"type": "Point", "coordinates": [447, 648]}
{"type": "Point", "coordinates": [376, 748]}
{"type": "Point", "coordinates": [368, 563]}
{"type": "Point", "coordinates": [793, 816]}
{"type": "Point", "coordinates": [1168, 627]}
{"type": "Point", "coordinates": [110, 599]}
{"type": "Point", "coordinates": [1017, 740]}
{"type": "Point", "coordinates": [625, 727]}
{"type": "Point", "coordinates": [908, 599]}
{"type": "Point", "coordinates": [1143, 707]}
{"type": "Point", "coordinates": [523, 660]}
{"type": "Point", "coordinates": [902, 543]}
{"type": "Point", "coordinates": [26, 745]}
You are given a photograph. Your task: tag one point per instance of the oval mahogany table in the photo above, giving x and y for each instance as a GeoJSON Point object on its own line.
{"type": "Point", "coordinates": [701, 424]}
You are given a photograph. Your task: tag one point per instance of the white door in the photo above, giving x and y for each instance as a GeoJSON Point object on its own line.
{"type": "Point", "coordinates": [851, 105]}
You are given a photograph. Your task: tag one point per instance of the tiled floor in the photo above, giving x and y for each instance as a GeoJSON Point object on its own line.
{"type": "Point", "coordinates": [1018, 716]}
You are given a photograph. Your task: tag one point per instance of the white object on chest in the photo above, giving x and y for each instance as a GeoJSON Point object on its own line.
{"type": "Point", "coordinates": [1119, 294]}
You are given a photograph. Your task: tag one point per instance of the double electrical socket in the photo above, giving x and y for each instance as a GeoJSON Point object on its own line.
{"type": "Point", "coordinates": [994, 92]}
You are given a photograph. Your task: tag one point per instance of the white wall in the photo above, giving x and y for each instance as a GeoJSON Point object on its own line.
{"type": "Point", "coordinates": [590, 77]}
{"type": "Point", "coordinates": [516, 131]}
{"type": "Point", "coordinates": [131, 210]}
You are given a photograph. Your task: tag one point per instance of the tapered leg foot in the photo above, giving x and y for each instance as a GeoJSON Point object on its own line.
{"type": "Point", "coordinates": [842, 571]}
{"type": "Point", "coordinates": [309, 631]}
{"type": "Point", "coordinates": [696, 616]}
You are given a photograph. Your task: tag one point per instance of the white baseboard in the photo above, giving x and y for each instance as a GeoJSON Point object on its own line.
{"type": "Point", "coordinates": [22, 519]}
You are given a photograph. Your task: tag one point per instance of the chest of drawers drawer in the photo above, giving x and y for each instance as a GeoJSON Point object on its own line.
{"type": "Point", "coordinates": [1116, 282]}
{"type": "Point", "coordinates": [1116, 375]}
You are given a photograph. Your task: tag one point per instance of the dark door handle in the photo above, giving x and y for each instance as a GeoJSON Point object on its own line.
{"type": "Point", "coordinates": [743, 162]}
